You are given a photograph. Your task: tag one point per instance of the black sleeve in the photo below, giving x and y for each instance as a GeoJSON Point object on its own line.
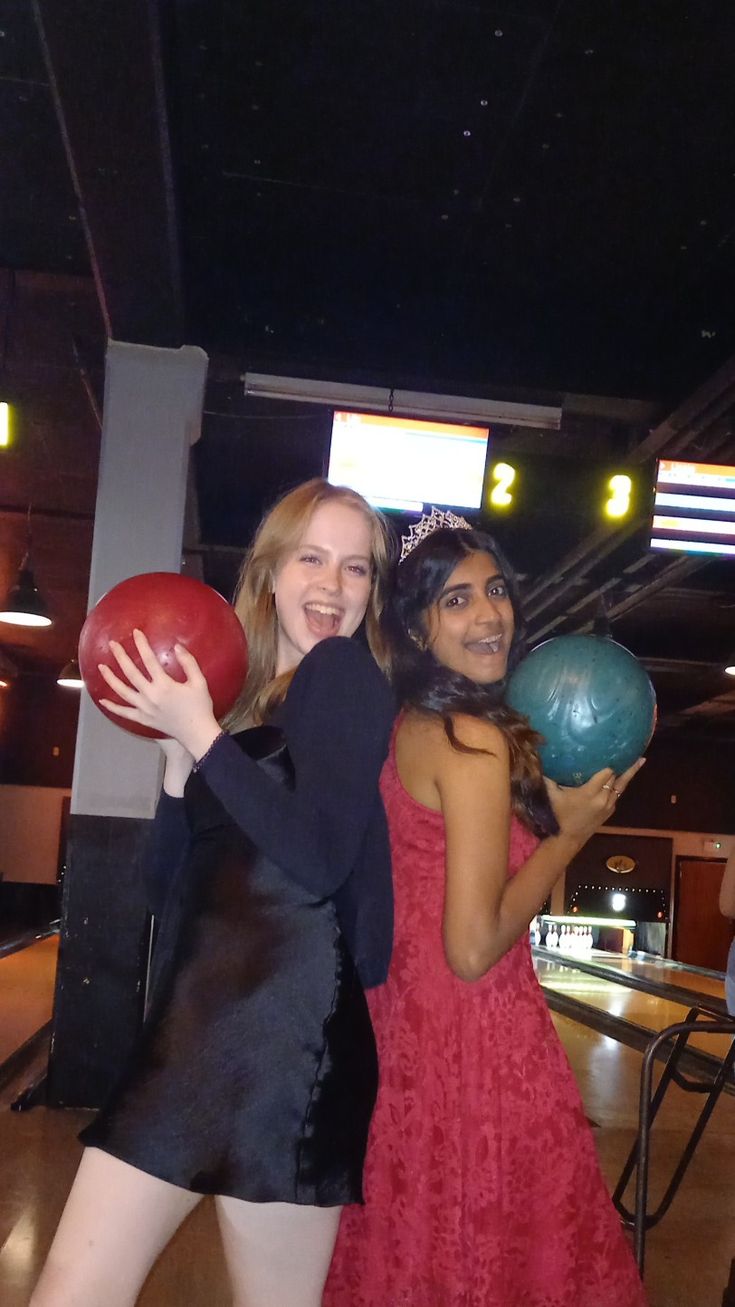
{"type": "Point", "coordinates": [167, 845]}
{"type": "Point", "coordinates": [337, 720]}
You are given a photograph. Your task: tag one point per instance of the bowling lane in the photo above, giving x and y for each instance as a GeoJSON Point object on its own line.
{"type": "Point", "coordinates": [666, 972]}
{"type": "Point", "coordinates": [26, 992]}
{"type": "Point", "coordinates": [611, 995]}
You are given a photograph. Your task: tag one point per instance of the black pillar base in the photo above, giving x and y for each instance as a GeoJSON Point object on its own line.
{"type": "Point", "coordinates": [103, 959]}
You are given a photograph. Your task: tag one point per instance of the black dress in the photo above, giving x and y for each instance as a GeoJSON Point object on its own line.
{"type": "Point", "coordinates": [256, 1074]}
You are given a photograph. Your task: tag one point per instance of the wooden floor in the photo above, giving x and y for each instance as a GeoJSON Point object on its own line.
{"type": "Point", "coordinates": [689, 1254]}
{"type": "Point", "coordinates": [633, 1004]}
{"type": "Point", "coordinates": [664, 972]}
{"type": "Point", "coordinates": [26, 993]}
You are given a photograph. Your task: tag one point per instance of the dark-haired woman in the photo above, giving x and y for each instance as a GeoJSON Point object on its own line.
{"type": "Point", "coordinates": [482, 1184]}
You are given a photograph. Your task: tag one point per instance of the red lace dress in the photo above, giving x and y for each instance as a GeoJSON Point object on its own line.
{"type": "Point", "coordinates": [482, 1185]}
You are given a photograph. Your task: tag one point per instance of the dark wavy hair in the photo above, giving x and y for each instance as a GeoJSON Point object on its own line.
{"type": "Point", "coordinates": [423, 683]}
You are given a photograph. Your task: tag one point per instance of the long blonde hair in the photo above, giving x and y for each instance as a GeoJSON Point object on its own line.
{"type": "Point", "coordinates": [279, 533]}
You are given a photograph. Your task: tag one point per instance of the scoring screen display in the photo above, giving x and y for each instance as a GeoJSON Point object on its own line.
{"type": "Point", "coordinates": [694, 508]}
{"type": "Point", "coordinates": [406, 463]}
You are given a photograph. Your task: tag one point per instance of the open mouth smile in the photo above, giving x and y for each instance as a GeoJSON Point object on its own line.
{"type": "Point", "coordinates": [487, 646]}
{"type": "Point", "coordinates": [323, 619]}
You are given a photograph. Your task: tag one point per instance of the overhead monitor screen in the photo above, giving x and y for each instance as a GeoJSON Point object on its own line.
{"type": "Point", "coordinates": [694, 508]}
{"type": "Point", "coordinates": [405, 464]}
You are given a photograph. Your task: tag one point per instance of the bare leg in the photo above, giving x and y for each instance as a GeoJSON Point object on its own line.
{"type": "Point", "coordinates": [116, 1221]}
{"type": "Point", "coordinates": [278, 1254]}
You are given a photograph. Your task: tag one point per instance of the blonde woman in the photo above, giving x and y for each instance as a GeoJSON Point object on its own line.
{"type": "Point", "coordinates": [256, 1073]}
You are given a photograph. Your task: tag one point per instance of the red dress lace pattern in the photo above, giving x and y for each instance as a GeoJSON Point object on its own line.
{"type": "Point", "coordinates": [482, 1185]}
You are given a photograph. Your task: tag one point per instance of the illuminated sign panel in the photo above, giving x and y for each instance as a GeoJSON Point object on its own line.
{"type": "Point", "coordinates": [590, 493]}
{"type": "Point", "coordinates": [694, 508]}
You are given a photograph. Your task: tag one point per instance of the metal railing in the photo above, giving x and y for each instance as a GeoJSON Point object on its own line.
{"type": "Point", "coordinates": [699, 1021]}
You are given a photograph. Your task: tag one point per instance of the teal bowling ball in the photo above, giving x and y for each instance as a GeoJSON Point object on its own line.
{"type": "Point", "coordinates": [591, 701]}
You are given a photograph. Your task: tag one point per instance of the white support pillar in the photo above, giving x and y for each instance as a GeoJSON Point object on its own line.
{"type": "Point", "coordinates": [152, 416]}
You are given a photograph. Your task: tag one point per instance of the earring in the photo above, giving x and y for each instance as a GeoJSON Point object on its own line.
{"type": "Point", "coordinates": [418, 640]}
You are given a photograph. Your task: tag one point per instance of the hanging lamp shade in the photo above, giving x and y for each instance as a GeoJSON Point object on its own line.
{"type": "Point", "coordinates": [70, 676]}
{"type": "Point", "coordinates": [24, 605]}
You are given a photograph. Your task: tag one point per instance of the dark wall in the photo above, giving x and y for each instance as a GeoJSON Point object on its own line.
{"type": "Point", "coordinates": [684, 785]}
{"type": "Point", "coordinates": [37, 716]}
{"type": "Point", "coordinates": [589, 881]}
{"type": "Point", "coordinates": [38, 729]}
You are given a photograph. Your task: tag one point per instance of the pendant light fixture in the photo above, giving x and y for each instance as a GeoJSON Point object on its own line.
{"type": "Point", "coordinates": [24, 605]}
{"type": "Point", "coordinates": [70, 676]}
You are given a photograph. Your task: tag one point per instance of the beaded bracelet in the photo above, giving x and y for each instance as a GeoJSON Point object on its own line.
{"type": "Point", "coordinates": [204, 756]}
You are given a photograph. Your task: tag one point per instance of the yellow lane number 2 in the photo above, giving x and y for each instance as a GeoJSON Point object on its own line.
{"type": "Point", "coordinates": [503, 475]}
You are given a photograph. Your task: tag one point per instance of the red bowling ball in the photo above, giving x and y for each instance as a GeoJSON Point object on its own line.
{"type": "Point", "coordinates": [169, 609]}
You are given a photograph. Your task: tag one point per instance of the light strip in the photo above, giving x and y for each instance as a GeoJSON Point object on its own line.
{"type": "Point", "coordinates": [693, 546]}
{"type": "Point", "coordinates": [580, 920]}
{"type": "Point", "coordinates": [710, 526]}
{"type": "Point", "coordinates": [4, 425]}
{"type": "Point", "coordinates": [706, 503]}
{"type": "Point", "coordinates": [414, 403]}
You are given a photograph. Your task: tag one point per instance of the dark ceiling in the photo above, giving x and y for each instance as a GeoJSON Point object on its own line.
{"type": "Point", "coordinates": [530, 202]}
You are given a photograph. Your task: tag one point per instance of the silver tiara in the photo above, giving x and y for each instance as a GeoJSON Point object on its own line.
{"type": "Point", "coordinates": [429, 523]}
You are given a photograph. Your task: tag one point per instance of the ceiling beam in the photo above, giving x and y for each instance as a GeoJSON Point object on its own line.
{"type": "Point", "coordinates": [706, 405]}
{"type": "Point", "coordinates": [722, 705]}
{"type": "Point", "coordinates": [106, 78]}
